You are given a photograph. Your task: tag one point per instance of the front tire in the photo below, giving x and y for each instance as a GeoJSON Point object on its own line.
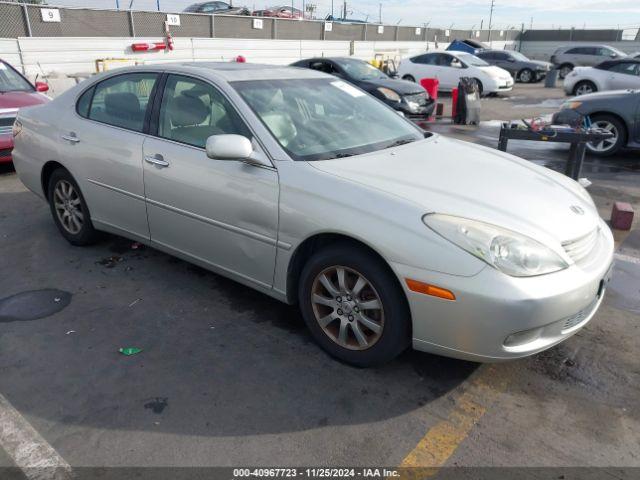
{"type": "Point", "coordinates": [526, 75]}
{"type": "Point", "coordinates": [608, 147]}
{"type": "Point", "coordinates": [69, 209]}
{"type": "Point", "coordinates": [353, 306]}
{"type": "Point", "coordinates": [584, 87]}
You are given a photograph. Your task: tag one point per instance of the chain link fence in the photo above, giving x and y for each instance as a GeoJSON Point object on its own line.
{"type": "Point", "coordinates": [46, 21]}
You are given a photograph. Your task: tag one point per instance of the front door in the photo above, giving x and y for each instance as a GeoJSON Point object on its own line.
{"type": "Point", "coordinates": [221, 213]}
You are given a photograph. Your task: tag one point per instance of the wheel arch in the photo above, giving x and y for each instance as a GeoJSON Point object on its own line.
{"type": "Point", "coordinates": [316, 242]}
{"type": "Point", "coordinates": [47, 170]}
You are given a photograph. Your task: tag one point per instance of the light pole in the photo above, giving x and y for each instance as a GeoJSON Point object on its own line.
{"type": "Point", "coordinates": [493, 4]}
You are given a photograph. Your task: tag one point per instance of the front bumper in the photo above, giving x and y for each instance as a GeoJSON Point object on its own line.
{"type": "Point", "coordinates": [420, 112]}
{"type": "Point", "coordinates": [6, 147]}
{"type": "Point", "coordinates": [497, 317]}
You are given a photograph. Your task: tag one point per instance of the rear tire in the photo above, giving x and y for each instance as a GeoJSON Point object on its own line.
{"type": "Point", "coordinates": [614, 125]}
{"type": "Point", "coordinates": [364, 319]}
{"type": "Point", "coordinates": [564, 70]}
{"type": "Point", "coordinates": [409, 78]}
{"type": "Point", "coordinates": [584, 87]}
{"type": "Point", "coordinates": [69, 209]}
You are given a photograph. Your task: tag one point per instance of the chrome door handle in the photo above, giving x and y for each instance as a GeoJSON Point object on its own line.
{"type": "Point", "coordinates": [71, 138]}
{"type": "Point", "coordinates": [157, 160]}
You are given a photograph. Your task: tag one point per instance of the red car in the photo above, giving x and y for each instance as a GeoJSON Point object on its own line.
{"type": "Point", "coordinates": [279, 12]}
{"type": "Point", "coordinates": [15, 92]}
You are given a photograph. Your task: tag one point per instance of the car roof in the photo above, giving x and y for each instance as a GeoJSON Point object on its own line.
{"type": "Point", "coordinates": [610, 63]}
{"type": "Point", "coordinates": [232, 71]}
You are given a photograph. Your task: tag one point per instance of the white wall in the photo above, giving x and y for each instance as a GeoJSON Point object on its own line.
{"type": "Point", "coordinates": [9, 51]}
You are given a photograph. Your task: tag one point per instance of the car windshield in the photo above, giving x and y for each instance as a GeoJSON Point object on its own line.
{"type": "Point", "coordinates": [360, 70]}
{"type": "Point", "coordinates": [620, 53]}
{"type": "Point", "coordinates": [12, 81]}
{"type": "Point", "coordinates": [471, 59]}
{"type": "Point", "coordinates": [320, 119]}
{"type": "Point", "coordinates": [519, 56]}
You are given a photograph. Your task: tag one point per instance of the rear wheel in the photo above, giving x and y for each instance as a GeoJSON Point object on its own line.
{"type": "Point", "coordinates": [353, 306]}
{"type": "Point", "coordinates": [69, 209]}
{"type": "Point", "coordinates": [584, 87]}
{"type": "Point", "coordinates": [565, 69]}
{"type": "Point", "coordinates": [613, 145]}
{"type": "Point", "coordinates": [409, 78]}
{"type": "Point", "coordinates": [526, 75]}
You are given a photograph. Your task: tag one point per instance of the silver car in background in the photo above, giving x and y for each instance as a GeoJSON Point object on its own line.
{"type": "Point", "coordinates": [306, 188]}
{"type": "Point", "coordinates": [569, 56]}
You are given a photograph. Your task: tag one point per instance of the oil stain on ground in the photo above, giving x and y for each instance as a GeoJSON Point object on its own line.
{"type": "Point", "coordinates": [33, 305]}
{"type": "Point", "coordinates": [157, 405]}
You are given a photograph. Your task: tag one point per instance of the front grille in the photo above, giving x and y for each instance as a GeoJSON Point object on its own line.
{"type": "Point", "coordinates": [6, 125]}
{"type": "Point", "coordinates": [5, 152]}
{"type": "Point", "coordinates": [419, 98]}
{"type": "Point", "coordinates": [579, 317]}
{"type": "Point", "coordinates": [580, 248]}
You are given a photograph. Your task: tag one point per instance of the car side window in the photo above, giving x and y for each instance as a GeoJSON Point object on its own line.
{"type": "Point", "coordinates": [427, 59]}
{"type": "Point", "coordinates": [501, 56]}
{"type": "Point", "coordinates": [193, 110]}
{"type": "Point", "coordinates": [322, 66]}
{"type": "Point", "coordinates": [625, 68]}
{"type": "Point", "coordinates": [122, 101]}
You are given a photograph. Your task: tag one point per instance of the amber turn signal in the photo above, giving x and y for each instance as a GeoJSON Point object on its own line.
{"type": "Point", "coordinates": [425, 288]}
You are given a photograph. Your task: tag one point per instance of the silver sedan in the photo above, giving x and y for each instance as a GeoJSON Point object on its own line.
{"type": "Point", "coordinates": [306, 188]}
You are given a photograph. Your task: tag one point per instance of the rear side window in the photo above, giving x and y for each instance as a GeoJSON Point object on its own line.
{"type": "Point", "coordinates": [122, 101]}
{"type": "Point", "coordinates": [625, 68]}
{"type": "Point", "coordinates": [84, 103]}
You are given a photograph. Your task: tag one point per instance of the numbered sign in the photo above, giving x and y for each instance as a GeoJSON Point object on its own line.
{"type": "Point", "coordinates": [380, 29]}
{"type": "Point", "coordinates": [257, 23]}
{"type": "Point", "coordinates": [418, 31]}
{"type": "Point", "coordinates": [328, 27]}
{"type": "Point", "coordinates": [50, 14]}
{"type": "Point", "coordinates": [173, 20]}
{"type": "Point", "coordinates": [447, 33]}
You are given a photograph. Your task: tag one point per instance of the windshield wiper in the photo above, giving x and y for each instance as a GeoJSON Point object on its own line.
{"type": "Point", "coordinates": [402, 141]}
{"type": "Point", "coordinates": [341, 155]}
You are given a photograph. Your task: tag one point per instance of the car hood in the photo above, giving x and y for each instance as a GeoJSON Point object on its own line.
{"type": "Point", "coordinates": [495, 72]}
{"type": "Point", "coordinates": [457, 178]}
{"type": "Point", "coordinates": [21, 99]}
{"type": "Point", "coordinates": [606, 95]}
{"type": "Point", "coordinates": [402, 87]}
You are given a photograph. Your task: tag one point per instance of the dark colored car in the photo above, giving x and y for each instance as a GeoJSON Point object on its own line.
{"type": "Point", "coordinates": [15, 92]}
{"type": "Point", "coordinates": [406, 97]}
{"type": "Point", "coordinates": [520, 67]}
{"type": "Point", "coordinates": [616, 111]}
{"type": "Point", "coordinates": [332, 18]}
{"type": "Point", "coordinates": [467, 45]}
{"type": "Point", "coordinates": [283, 11]}
{"type": "Point", "coordinates": [218, 8]}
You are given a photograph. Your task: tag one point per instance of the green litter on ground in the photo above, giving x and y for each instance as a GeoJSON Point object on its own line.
{"type": "Point", "coordinates": [128, 351]}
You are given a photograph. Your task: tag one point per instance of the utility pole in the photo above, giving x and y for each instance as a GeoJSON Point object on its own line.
{"type": "Point", "coordinates": [344, 10]}
{"type": "Point", "coordinates": [380, 14]}
{"type": "Point", "coordinates": [158, 3]}
{"type": "Point", "coordinates": [331, 8]}
{"type": "Point", "coordinates": [493, 4]}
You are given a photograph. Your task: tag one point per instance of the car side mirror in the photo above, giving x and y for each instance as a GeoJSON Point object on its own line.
{"type": "Point", "coordinates": [512, 60]}
{"type": "Point", "coordinates": [613, 55]}
{"type": "Point", "coordinates": [42, 87]}
{"type": "Point", "coordinates": [456, 64]}
{"type": "Point", "coordinates": [234, 147]}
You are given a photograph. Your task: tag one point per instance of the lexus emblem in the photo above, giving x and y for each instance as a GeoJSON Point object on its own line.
{"type": "Point", "coordinates": [577, 210]}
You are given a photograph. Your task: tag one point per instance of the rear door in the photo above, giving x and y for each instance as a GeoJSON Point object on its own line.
{"type": "Point", "coordinates": [220, 213]}
{"type": "Point", "coordinates": [423, 66]}
{"type": "Point", "coordinates": [103, 145]}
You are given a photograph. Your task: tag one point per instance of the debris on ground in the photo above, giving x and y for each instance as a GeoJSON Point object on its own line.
{"type": "Point", "coordinates": [110, 262]}
{"type": "Point", "coordinates": [134, 302]}
{"type": "Point", "coordinates": [128, 351]}
{"type": "Point", "coordinates": [70, 332]}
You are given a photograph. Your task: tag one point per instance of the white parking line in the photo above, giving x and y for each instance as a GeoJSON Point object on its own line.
{"type": "Point", "coordinates": [26, 447]}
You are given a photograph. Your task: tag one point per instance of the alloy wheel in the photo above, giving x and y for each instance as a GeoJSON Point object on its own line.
{"type": "Point", "coordinates": [525, 76]}
{"type": "Point", "coordinates": [347, 307]}
{"type": "Point", "coordinates": [68, 207]}
{"type": "Point", "coordinates": [608, 144]}
{"type": "Point", "coordinates": [584, 89]}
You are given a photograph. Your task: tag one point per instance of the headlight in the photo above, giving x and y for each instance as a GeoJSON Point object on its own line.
{"type": "Point", "coordinates": [389, 94]}
{"type": "Point", "coordinates": [510, 252]}
{"type": "Point", "coordinates": [570, 105]}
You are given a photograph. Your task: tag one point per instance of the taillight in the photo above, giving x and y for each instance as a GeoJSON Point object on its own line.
{"type": "Point", "coordinates": [17, 128]}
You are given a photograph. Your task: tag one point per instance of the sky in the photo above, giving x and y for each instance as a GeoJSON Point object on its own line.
{"type": "Point", "coordinates": [464, 14]}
